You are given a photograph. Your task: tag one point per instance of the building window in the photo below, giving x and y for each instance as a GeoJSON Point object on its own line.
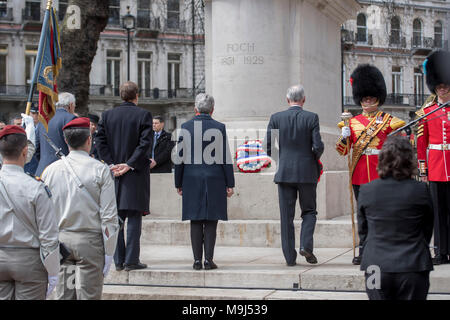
{"type": "Point", "coordinates": [3, 9]}
{"type": "Point", "coordinates": [114, 12]}
{"type": "Point", "coordinates": [62, 9]}
{"type": "Point", "coordinates": [3, 69]}
{"type": "Point", "coordinates": [143, 14]}
{"type": "Point", "coordinates": [144, 73]}
{"type": "Point", "coordinates": [395, 30]}
{"type": "Point", "coordinates": [418, 87]}
{"type": "Point", "coordinates": [173, 74]}
{"type": "Point", "coordinates": [417, 32]}
{"type": "Point", "coordinates": [173, 14]}
{"type": "Point", "coordinates": [361, 23]}
{"type": "Point", "coordinates": [30, 58]}
{"type": "Point", "coordinates": [397, 86]}
{"type": "Point", "coordinates": [438, 35]}
{"type": "Point", "coordinates": [32, 11]}
{"type": "Point", "coordinates": [113, 59]}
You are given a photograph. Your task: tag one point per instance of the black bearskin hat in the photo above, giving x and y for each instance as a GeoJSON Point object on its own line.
{"type": "Point", "coordinates": [437, 69]}
{"type": "Point", "coordinates": [368, 81]}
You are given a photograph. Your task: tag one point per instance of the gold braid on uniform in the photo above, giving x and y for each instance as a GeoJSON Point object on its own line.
{"type": "Point", "coordinates": [341, 144]}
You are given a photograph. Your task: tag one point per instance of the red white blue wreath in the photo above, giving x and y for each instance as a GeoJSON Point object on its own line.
{"type": "Point", "coordinates": [251, 157]}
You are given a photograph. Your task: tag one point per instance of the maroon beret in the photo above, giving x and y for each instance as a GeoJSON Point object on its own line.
{"type": "Point", "coordinates": [78, 123]}
{"type": "Point", "coordinates": [10, 129]}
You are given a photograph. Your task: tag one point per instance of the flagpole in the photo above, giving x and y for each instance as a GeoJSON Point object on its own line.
{"type": "Point", "coordinates": [39, 56]}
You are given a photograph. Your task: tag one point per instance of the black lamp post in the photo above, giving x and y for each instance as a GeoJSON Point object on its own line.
{"type": "Point", "coordinates": [128, 23]}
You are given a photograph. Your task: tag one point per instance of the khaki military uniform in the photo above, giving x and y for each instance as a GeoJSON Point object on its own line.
{"type": "Point", "coordinates": [89, 233]}
{"type": "Point", "coordinates": [23, 267]}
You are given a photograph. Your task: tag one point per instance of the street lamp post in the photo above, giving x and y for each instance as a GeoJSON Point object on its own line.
{"type": "Point", "coordinates": [128, 23]}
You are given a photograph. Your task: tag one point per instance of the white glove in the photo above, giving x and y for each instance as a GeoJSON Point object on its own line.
{"type": "Point", "coordinates": [29, 128]}
{"type": "Point", "coordinates": [108, 261]}
{"type": "Point", "coordinates": [52, 283]}
{"type": "Point", "coordinates": [346, 132]}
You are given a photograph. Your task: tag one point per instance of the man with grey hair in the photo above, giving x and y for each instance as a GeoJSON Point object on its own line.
{"type": "Point", "coordinates": [65, 107]}
{"type": "Point", "coordinates": [299, 149]}
{"type": "Point", "coordinates": [205, 184]}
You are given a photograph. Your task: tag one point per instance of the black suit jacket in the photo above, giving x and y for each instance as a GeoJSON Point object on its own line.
{"type": "Point", "coordinates": [55, 133]}
{"type": "Point", "coordinates": [395, 223]}
{"type": "Point", "coordinates": [300, 145]}
{"type": "Point", "coordinates": [125, 135]}
{"type": "Point", "coordinates": [163, 150]}
{"type": "Point", "coordinates": [204, 184]}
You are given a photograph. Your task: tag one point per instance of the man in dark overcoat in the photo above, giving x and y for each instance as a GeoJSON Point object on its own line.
{"type": "Point", "coordinates": [161, 161]}
{"type": "Point", "coordinates": [124, 142]}
{"type": "Point", "coordinates": [204, 177]}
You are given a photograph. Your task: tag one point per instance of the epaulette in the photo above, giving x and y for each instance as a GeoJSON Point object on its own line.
{"type": "Point", "coordinates": [431, 100]}
{"type": "Point", "coordinates": [40, 180]}
{"type": "Point", "coordinates": [34, 177]}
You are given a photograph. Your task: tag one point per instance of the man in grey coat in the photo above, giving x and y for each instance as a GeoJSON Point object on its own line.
{"type": "Point", "coordinates": [300, 148]}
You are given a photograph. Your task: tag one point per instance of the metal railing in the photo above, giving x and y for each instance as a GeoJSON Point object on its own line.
{"type": "Point", "coordinates": [107, 90]}
{"type": "Point", "coordinates": [396, 99]}
{"type": "Point", "coordinates": [154, 93]}
{"type": "Point", "coordinates": [397, 42]}
{"type": "Point", "coordinates": [428, 43]}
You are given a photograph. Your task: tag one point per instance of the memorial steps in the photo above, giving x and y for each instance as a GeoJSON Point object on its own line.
{"type": "Point", "coordinates": [248, 252]}
{"type": "Point", "coordinates": [245, 272]}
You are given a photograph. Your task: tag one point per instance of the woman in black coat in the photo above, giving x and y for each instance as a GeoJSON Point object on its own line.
{"type": "Point", "coordinates": [204, 177]}
{"type": "Point", "coordinates": [395, 222]}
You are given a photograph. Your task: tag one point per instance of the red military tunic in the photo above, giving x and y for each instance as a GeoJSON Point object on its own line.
{"type": "Point", "coordinates": [433, 146]}
{"type": "Point", "coordinates": [366, 168]}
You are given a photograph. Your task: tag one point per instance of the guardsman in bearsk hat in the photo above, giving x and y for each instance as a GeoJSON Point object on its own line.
{"type": "Point", "coordinates": [84, 196]}
{"type": "Point", "coordinates": [29, 247]}
{"type": "Point", "coordinates": [433, 149]}
{"type": "Point", "coordinates": [366, 132]}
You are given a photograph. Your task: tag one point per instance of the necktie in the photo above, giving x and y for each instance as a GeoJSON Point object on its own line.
{"type": "Point", "coordinates": [155, 138]}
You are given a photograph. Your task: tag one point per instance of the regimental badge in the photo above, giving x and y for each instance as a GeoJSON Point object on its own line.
{"type": "Point", "coordinates": [48, 191]}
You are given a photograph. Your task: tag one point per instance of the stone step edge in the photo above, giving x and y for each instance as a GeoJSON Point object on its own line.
{"type": "Point", "coordinates": [212, 293]}
{"type": "Point", "coordinates": [243, 221]}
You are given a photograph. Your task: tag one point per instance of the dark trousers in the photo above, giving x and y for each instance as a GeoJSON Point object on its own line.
{"type": "Point", "coordinates": [129, 254]}
{"type": "Point", "coordinates": [287, 197]}
{"type": "Point", "coordinates": [356, 193]}
{"type": "Point", "coordinates": [203, 234]}
{"type": "Point", "coordinates": [401, 286]}
{"type": "Point", "coordinates": [440, 194]}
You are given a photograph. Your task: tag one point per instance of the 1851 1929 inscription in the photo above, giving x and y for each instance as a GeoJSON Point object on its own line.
{"type": "Point", "coordinates": [241, 53]}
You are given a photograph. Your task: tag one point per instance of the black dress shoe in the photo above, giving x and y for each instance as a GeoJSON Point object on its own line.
{"type": "Point", "coordinates": [209, 265]}
{"type": "Point", "coordinates": [310, 257]}
{"type": "Point", "coordinates": [119, 267]}
{"type": "Point", "coordinates": [137, 266]}
{"type": "Point", "coordinates": [439, 259]}
{"type": "Point", "coordinates": [291, 264]}
{"type": "Point", "coordinates": [356, 260]}
{"type": "Point", "coordinates": [197, 265]}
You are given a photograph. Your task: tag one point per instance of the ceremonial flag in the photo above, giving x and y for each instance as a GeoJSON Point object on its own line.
{"type": "Point", "coordinates": [46, 68]}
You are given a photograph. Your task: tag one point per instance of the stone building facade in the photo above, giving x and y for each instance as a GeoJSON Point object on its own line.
{"type": "Point", "coordinates": [166, 54]}
{"type": "Point", "coordinates": [396, 36]}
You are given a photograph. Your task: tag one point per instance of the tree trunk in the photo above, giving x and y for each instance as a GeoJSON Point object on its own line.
{"type": "Point", "coordinates": [79, 46]}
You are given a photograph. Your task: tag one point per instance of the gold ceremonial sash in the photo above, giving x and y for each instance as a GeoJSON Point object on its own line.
{"type": "Point", "coordinates": [367, 136]}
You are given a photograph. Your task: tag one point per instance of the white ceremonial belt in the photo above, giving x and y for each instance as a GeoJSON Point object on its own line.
{"type": "Point", "coordinates": [439, 146]}
{"type": "Point", "coordinates": [370, 152]}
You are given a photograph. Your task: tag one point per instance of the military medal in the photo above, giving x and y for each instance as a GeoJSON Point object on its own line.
{"type": "Point", "coordinates": [379, 120]}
